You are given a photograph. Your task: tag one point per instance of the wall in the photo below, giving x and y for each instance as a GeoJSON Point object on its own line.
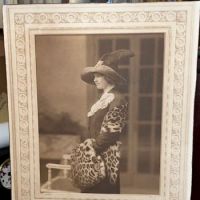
{"type": "Point", "coordinates": [60, 60]}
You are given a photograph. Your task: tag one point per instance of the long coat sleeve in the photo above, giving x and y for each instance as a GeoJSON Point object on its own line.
{"type": "Point", "coordinates": [112, 125]}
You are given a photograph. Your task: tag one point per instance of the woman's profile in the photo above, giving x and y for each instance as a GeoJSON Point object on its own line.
{"type": "Point", "coordinates": [107, 119]}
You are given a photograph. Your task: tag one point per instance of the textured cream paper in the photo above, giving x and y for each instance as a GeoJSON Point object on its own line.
{"type": "Point", "coordinates": [177, 21]}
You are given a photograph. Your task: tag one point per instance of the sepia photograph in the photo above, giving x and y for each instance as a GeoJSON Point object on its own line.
{"type": "Point", "coordinates": [101, 100]}
{"type": "Point", "coordinates": [103, 92]}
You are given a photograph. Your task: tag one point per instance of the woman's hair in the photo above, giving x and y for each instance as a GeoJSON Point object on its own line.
{"type": "Point", "coordinates": [110, 80]}
{"type": "Point", "coordinates": [120, 88]}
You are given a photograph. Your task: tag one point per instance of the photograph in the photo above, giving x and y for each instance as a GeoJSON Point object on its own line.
{"type": "Point", "coordinates": [101, 100]}
{"type": "Point", "coordinates": [106, 88]}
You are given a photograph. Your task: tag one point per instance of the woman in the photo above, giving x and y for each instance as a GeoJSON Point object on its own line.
{"type": "Point", "coordinates": [107, 118]}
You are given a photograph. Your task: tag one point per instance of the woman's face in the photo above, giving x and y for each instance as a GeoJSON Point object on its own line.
{"type": "Point", "coordinates": [100, 81]}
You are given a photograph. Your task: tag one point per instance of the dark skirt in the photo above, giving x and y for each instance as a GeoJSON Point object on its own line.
{"type": "Point", "coordinates": [104, 187]}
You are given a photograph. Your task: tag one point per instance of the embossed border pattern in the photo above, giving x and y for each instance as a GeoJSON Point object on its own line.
{"type": "Point", "coordinates": [21, 20]}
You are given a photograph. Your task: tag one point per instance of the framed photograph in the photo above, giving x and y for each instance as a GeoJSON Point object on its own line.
{"type": "Point", "coordinates": [86, 79]}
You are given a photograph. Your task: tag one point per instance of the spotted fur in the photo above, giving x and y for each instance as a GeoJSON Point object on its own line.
{"type": "Point", "coordinates": [111, 159]}
{"type": "Point", "coordinates": [114, 122]}
{"type": "Point", "coordinates": [87, 169]}
{"type": "Point", "coordinates": [115, 119]}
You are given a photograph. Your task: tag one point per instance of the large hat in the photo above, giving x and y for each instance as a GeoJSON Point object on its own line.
{"type": "Point", "coordinates": [108, 66]}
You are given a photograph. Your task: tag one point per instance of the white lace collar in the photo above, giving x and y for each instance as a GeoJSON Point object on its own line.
{"type": "Point", "coordinates": [102, 103]}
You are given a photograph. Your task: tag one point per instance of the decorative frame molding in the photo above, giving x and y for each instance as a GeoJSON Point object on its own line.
{"type": "Point", "coordinates": [179, 23]}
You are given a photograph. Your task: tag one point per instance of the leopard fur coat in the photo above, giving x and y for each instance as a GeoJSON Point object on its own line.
{"type": "Point", "coordinates": [105, 126]}
{"type": "Point", "coordinates": [107, 120]}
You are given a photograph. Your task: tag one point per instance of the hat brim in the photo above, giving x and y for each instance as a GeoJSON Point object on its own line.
{"type": "Point", "coordinates": [88, 74]}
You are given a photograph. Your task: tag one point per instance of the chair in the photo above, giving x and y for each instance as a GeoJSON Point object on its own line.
{"type": "Point", "coordinates": [64, 167]}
